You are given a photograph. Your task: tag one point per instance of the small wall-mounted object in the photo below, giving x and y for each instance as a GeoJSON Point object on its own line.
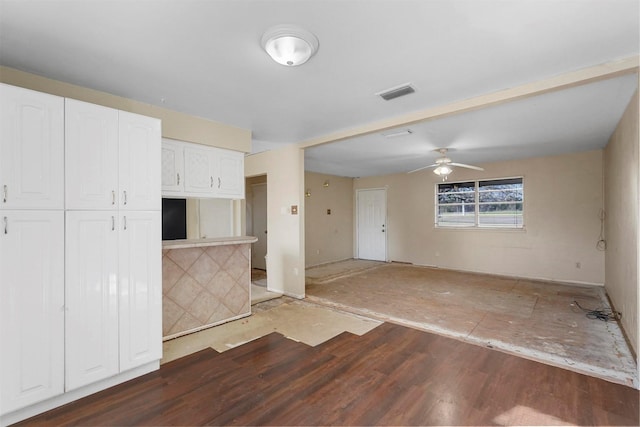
{"type": "Point", "coordinates": [307, 193]}
{"type": "Point", "coordinates": [325, 184]}
{"type": "Point", "coordinates": [294, 209]}
{"type": "Point", "coordinates": [328, 211]}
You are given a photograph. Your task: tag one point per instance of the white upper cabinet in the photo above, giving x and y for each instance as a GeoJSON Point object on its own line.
{"type": "Point", "coordinates": [91, 156]}
{"type": "Point", "coordinates": [140, 272]}
{"type": "Point", "coordinates": [112, 159]}
{"type": "Point", "coordinates": [172, 166]}
{"type": "Point", "coordinates": [31, 149]}
{"type": "Point", "coordinates": [139, 166]}
{"type": "Point", "coordinates": [231, 173]}
{"type": "Point", "coordinates": [208, 172]}
{"type": "Point", "coordinates": [31, 307]}
{"type": "Point", "coordinates": [91, 325]}
{"type": "Point", "coordinates": [199, 170]}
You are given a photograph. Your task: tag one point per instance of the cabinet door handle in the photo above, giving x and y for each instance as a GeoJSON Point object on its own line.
{"type": "Point", "coordinates": [113, 223]}
{"type": "Point", "coordinates": [5, 190]}
{"type": "Point", "coordinates": [6, 225]}
{"type": "Point", "coordinates": [211, 182]}
{"type": "Point", "coordinates": [219, 181]}
{"type": "Point", "coordinates": [178, 179]}
{"type": "Point", "coordinates": [125, 222]}
{"type": "Point", "coordinates": [125, 196]}
{"type": "Point", "coordinates": [113, 197]}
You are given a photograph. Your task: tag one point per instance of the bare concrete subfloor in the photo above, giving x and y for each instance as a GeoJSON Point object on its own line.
{"type": "Point", "coordinates": [535, 319]}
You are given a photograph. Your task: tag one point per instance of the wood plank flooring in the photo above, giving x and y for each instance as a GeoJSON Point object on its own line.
{"type": "Point", "coordinates": [393, 375]}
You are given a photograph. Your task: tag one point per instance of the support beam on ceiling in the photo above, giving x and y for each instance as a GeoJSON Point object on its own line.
{"type": "Point", "coordinates": [563, 81]}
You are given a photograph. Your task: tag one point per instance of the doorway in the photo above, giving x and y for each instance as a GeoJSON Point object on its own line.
{"type": "Point", "coordinates": [259, 226]}
{"type": "Point", "coordinates": [371, 224]}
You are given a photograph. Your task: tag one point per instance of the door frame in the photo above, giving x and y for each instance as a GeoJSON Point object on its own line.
{"type": "Point", "coordinates": [357, 222]}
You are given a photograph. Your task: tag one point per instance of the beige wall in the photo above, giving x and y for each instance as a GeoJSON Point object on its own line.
{"type": "Point", "coordinates": [563, 199]}
{"type": "Point", "coordinates": [328, 237]}
{"type": "Point", "coordinates": [174, 124]}
{"type": "Point", "coordinates": [285, 246]}
{"type": "Point", "coordinates": [621, 225]}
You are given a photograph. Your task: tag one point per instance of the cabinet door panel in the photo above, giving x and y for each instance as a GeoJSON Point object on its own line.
{"type": "Point", "coordinates": [231, 170]}
{"type": "Point", "coordinates": [31, 149]}
{"type": "Point", "coordinates": [91, 327]}
{"type": "Point", "coordinates": [139, 166]}
{"type": "Point", "coordinates": [140, 289]}
{"type": "Point", "coordinates": [172, 167]}
{"type": "Point", "coordinates": [198, 170]}
{"type": "Point", "coordinates": [31, 307]}
{"type": "Point", "coordinates": [91, 156]}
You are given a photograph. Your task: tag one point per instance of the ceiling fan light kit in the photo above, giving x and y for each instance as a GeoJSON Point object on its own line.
{"type": "Point", "coordinates": [443, 165]}
{"type": "Point", "coordinates": [289, 45]}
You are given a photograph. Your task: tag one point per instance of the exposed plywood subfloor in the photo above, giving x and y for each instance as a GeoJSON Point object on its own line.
{"type": "Point", "coordinates": [534, 319]}
{"type": "Point", "coordinates": [301, 321]}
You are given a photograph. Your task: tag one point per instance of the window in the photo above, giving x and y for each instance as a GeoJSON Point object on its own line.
{"type": "Point", "coordinates": [496, 203]}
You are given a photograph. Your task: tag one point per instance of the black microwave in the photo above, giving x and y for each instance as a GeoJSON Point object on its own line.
{"type": "Point", "coordinates": [174, 219]}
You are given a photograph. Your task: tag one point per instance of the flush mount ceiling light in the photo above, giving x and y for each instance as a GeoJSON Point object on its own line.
{"type": "Point", "coordinates": [289, 45]}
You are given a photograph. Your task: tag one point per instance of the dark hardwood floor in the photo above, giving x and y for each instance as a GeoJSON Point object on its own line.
{"type": "Point", "coordinates": [392, 375]}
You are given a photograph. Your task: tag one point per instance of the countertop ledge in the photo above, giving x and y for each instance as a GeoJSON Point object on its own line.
{"type": "Point", "coordinates": [215, 241]}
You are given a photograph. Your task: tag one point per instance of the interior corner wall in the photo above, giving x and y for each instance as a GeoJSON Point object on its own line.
{"type": "Point", "coordinates": [175, 125]}
{"type": "Point", "coordinates": [328, 218]}
{"type": "Point", "coordinates": [563, 199]}
{"type": "Point", "coordinates": [285, 188]}
{"type": "Point", "coordinates": [622, 232]}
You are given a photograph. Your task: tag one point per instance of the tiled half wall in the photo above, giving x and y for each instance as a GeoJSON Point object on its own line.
{"type": "Point", "coordinates": [204, 286]}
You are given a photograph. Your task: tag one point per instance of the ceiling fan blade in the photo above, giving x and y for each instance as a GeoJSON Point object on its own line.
{"type": "Point", "coordinates": [424, 167]}
{"type": "Point", "coordinates": [462, 165]}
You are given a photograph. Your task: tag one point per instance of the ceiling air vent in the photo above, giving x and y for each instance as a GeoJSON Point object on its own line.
{"type": "Point", "coordinates": [396, 92]}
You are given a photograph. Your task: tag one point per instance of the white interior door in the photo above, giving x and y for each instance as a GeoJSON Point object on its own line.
{"type": "Point", "coordinates": [259, 220]}
{"type": "Point", "coordinates": [372, 223]}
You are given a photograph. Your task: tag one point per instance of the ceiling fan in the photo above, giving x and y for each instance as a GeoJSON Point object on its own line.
{"type": "Point", "coordinates": [443, 165]}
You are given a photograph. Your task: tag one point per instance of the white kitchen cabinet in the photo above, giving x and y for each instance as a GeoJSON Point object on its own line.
{"type": "Point", "coordinates": [208, 172]}
{"type": "Point", "coordinates": [80, 260]}
{"type": "Point", "coordinates": [199, 170]}
{"type": "Point", "coordinates": [113, 292]}
{"type": "Point", "coordinates": [231, 174]}
{"type": "Point", "coordinates": [139, 165]}
{"type": "Point", "coordinates": [31, 149]}
{"type": "Point", "coordinates": [91, 257]}
{"type": "Point", "coordinates": [112, 159]}
{"type": "Point", "coordinates": [91, 156]}
{"type": "Point", "coordinates": [31, 307]}
{"type": "Point", "coordinates": [140, 292]}
{"type": "Point", "coordinates": [172, 167]}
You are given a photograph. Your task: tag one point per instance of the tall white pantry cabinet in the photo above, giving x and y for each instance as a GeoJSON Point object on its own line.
{"type": "Point", "coordinates": [80, 249]}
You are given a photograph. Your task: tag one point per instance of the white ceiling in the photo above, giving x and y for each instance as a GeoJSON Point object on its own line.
{"type": "Point", "coordinates": [204, 58]}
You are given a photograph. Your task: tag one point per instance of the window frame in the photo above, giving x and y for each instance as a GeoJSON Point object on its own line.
{"type": "Point", "coordinates": [476, 225]}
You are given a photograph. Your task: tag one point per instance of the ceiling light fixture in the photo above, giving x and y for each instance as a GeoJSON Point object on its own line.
{"type": "Point", "coordinates": [443, 171]}
{"type": "Point", "coordinates": [289, 45]}
{"type": "Point", "coordinates": [397, 132]}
